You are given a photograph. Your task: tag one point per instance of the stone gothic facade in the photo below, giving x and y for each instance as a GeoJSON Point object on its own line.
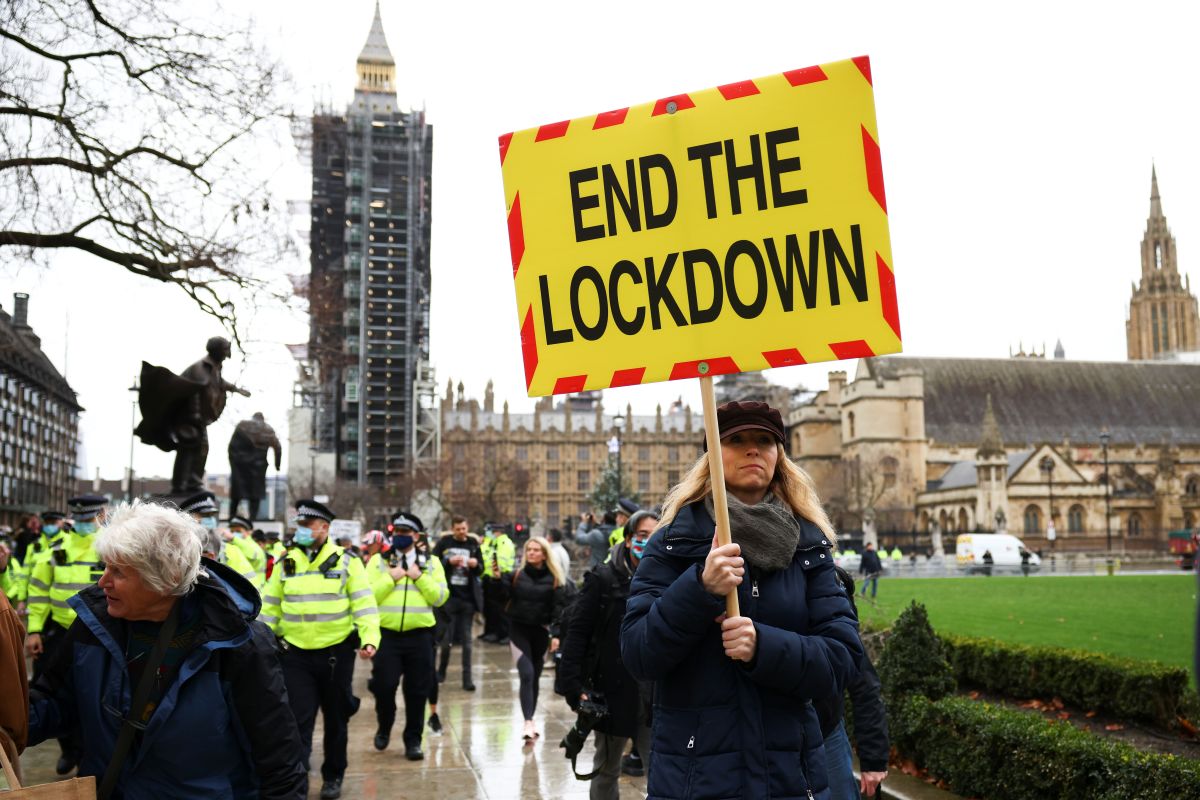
{"type": "Point", "coordinates": [1162, 311]}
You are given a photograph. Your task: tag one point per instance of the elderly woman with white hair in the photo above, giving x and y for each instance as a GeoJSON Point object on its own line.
{"type": "Point", "coordinates": [175, 687]}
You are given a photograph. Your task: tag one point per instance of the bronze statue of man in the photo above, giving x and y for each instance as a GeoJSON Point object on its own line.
{"type": "Point", "coordinates": [248, 447]}
{"type": "Point", "coordinates": [177, 410]}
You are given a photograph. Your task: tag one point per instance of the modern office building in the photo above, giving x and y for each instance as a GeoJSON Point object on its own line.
{"type": "Point", "coordinates": [368, 289]}
{"type": "Point", "coordinates": [39, 422]}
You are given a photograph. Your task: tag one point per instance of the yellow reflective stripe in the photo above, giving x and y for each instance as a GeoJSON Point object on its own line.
{"type": "Point", "coordinates": [58, 603]}
{"type": "Point", "coordinates": [315, 617]}
{"type": "Point", "coordinates": [269, 619]}
{"type": "Point", "coordinates": [272, 600]}
{"type": "Point", "coordinates": [73, 587]}
{"type": "Point", "coordinates": [360, 594]}
{"type": "Point", "coordinates": [38, 583]}
{"type": "Point", "coordinates": [366, 612]}
{"type": "Point", "coordinates": [411, 610]}
{"type": "Point", "coordinates": [38, 601]}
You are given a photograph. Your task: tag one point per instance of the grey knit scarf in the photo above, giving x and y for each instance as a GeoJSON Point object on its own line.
{"type": "Point", "coordinates": [767, 531]}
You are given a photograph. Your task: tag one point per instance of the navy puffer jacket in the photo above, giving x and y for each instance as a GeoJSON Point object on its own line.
{"type": "Point", "coordinates": [724, 728]}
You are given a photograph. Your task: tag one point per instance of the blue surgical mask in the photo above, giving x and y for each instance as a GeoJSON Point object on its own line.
{"type": "Point", "coordinates": [402, 541]}
{"type": "Point", "coordinates": [302, 536]}
{"type": "Point", "coordinates": [86, 528]}
{"type": "Point", "coordinates": [49, 530]}
{"type": "Point", "coordinates": [209, 522]}
{"type": "Point", "coordinates": [637, 548]}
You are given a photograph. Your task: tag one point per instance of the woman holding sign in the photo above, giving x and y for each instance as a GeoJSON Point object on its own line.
{"type": "Point", "coordinates": [733, 716]}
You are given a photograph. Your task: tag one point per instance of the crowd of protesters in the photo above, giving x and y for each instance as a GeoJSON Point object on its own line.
{"type": "Point", "coordinates": [174, 658]}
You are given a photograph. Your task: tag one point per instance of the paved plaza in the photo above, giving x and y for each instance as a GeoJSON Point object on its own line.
{"type": "Point", "coordinates": [480, 753]}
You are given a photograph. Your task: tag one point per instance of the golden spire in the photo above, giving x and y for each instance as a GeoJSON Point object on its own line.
{"type": "Point", "coordinates": [376, 67]}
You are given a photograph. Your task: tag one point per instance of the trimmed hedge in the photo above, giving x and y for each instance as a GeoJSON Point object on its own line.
{"type": "Point", "coordinates": [985, 751]}
{"type": "Point", "coordinates": [1127, 689]}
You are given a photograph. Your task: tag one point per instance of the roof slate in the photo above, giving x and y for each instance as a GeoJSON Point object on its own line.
{"type": "Point", "coordinates": [1048, 400]}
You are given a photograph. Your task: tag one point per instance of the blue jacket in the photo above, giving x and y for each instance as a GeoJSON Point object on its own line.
{"type": "Point", "coordinates": [223, 729]}
{"type": "Point", "coordinates": [723, 728]}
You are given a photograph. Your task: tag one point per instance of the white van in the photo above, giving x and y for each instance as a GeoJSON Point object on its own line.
{"type": "Point", "coordinates": [1005, 549]}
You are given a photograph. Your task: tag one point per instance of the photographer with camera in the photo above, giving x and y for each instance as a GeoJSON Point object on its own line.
{"type": "Point", "coordinates": [591, 676]}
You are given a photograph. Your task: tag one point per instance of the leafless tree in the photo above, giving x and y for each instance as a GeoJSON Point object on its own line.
{"type": "Point", "coordinates": [137, 131]}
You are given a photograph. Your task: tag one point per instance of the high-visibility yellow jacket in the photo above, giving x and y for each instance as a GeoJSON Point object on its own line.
{"type": "Point", "coordinates": [38, 550]}
{"type": "Point", "coordinates": [323, 601]}
{"type": "Point", "coordinates": [13, 581]}
{"type": "Point", "coordinates": [70, 566]}
{"type": "Point", "coordinates": [233, 557]}
{"type": "Point", "coordinates": [406, 605]}
{"type": "Point", "coordinates": [616, 537]}
{"type": "Point", "coordinates": [253, 553]}
{"type": "Point", "coordinates": [498, 550]}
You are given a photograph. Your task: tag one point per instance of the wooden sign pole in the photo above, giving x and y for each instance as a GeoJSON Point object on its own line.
{"type": "Point", "coordinates": [716, 472]}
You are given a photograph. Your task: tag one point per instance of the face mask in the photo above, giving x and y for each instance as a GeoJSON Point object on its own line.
{"type": "Point", "coordinates": [209, 522]}
{"type": "Point", "coordinates": [49, 530]}
{"type": "Point", "coordinates": [86, 527]}
{"type": "Point", "coordinates": [302, 536]}
{"type": "Point", "coordinates": [637, 548]}
{"type": "Point", "coordinates": [402, 541]}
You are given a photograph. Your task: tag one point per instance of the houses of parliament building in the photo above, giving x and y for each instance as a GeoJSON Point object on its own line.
{"type": "Point", "coordinates": [1068, 455]}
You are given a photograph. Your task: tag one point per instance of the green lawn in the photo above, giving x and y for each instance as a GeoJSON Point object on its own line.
{"type": "Point", "coordinates": [1146, 617]}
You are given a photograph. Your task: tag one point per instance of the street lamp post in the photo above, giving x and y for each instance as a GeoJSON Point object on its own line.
{"type": "Point", "coordinates": [312, 471]}
{"type": "Point", "coordinates": [1105, 437]}
{"type": "Point", "coordinates": [1046, 465]}
{"type": "Point", "coordinates": [132, 438]}
{"type": "Point", "coordinates": [614, 447]}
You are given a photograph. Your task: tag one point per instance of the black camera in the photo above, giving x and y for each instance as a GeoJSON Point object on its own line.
{"type": "Point", "coordinates": [590, 712]}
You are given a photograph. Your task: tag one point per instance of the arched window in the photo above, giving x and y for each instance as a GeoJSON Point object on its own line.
{"type": "Point", "coordinates": [1135, 524]}
{"type": "Point", "coordinates": [944, 522]}
{"type": "Point", "coordinates": [889, 466]}
{"type": "Point", "coordinates": [1192, 487]}
{"type": "Point", "coordinates": [1075, 519]}
{"type": "Point", "coordinates": [1033, 519]}
{"type": "Point", "coordinates": [964, 523]}
{"type": "Point", "coordinates": [850, 420]}
{"type": "Point", "coordinates": [925, 521]}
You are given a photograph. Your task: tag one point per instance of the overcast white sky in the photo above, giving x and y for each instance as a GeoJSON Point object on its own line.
{"type": "Point", "coordinates": [1017, 142]}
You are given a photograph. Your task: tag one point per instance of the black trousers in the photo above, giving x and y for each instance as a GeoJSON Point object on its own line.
{"type": "Point", "coordinates": [495, 622]}
{"type": "Point", "coordinates": [408, 655]}
{"type": "Point", "coordinates": [456, 629]}
{"type": "Point", "coordinates": [321, 679]}
{"type": "Point", "coordinates": [53, 636]}
{"type": "Point", "coordinates": [188, 473]}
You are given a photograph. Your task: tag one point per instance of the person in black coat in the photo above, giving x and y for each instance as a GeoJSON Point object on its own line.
{"type": "Point", "coordinates": [733, 714]}
{"type": "Point", "coordinates": [591, 657]}
{"type": "Point", "coordinates": [463, 561]}
{"type": "Point", "coordinates": [535, 595]}
{"type": "Point", "coordinates": [870, 728]}
{"type": "Point", "coordinates": [871, 567]}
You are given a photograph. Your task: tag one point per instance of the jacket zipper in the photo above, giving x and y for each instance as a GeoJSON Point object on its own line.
{"type": "Point", "coordinates": [754, 588]}
{"type": "Point", "coordinates": [691, 743]}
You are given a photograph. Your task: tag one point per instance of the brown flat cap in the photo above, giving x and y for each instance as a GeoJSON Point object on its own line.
{"type": "Point", "coordinates": [749, 415]}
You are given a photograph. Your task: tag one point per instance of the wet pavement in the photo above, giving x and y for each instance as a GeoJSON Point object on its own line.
{"type": "Point", "coordinates": [480, 753]}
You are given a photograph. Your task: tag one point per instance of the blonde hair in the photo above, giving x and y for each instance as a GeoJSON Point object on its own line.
{"type": "Point", "coordinates": [790, 484]}
{"type": "Point", "coordinates": [551, 561]}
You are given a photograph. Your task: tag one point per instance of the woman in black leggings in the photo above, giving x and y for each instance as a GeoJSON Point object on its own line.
{"type": "Point", "coordinates": [535, 600]}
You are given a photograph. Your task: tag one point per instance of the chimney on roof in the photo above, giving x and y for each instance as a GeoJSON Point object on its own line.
{"type": "Point", "coordinates": [20, 310]}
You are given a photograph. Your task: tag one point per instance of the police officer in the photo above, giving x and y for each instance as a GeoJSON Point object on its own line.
{"type": "Point", "coordinates": [408, 586]}
{"type": "Point", "coordinates": [204, 509]}
{"type": "Point", "coordinates": [239, 536]}
{"type": "Point", "coordinates": [39, 549]}
{"type": "Point", "coordinates": [68, 566]}
{"type": "Point", "coordinates": [319, 602]}
{"type": "Point", "coordinates": [625, 509]}
{"type": "Point", "coordinates": [499, 557]}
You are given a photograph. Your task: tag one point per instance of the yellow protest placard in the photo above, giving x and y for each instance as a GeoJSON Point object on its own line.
{"type": "Point", "coordinates": [727, 230]}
